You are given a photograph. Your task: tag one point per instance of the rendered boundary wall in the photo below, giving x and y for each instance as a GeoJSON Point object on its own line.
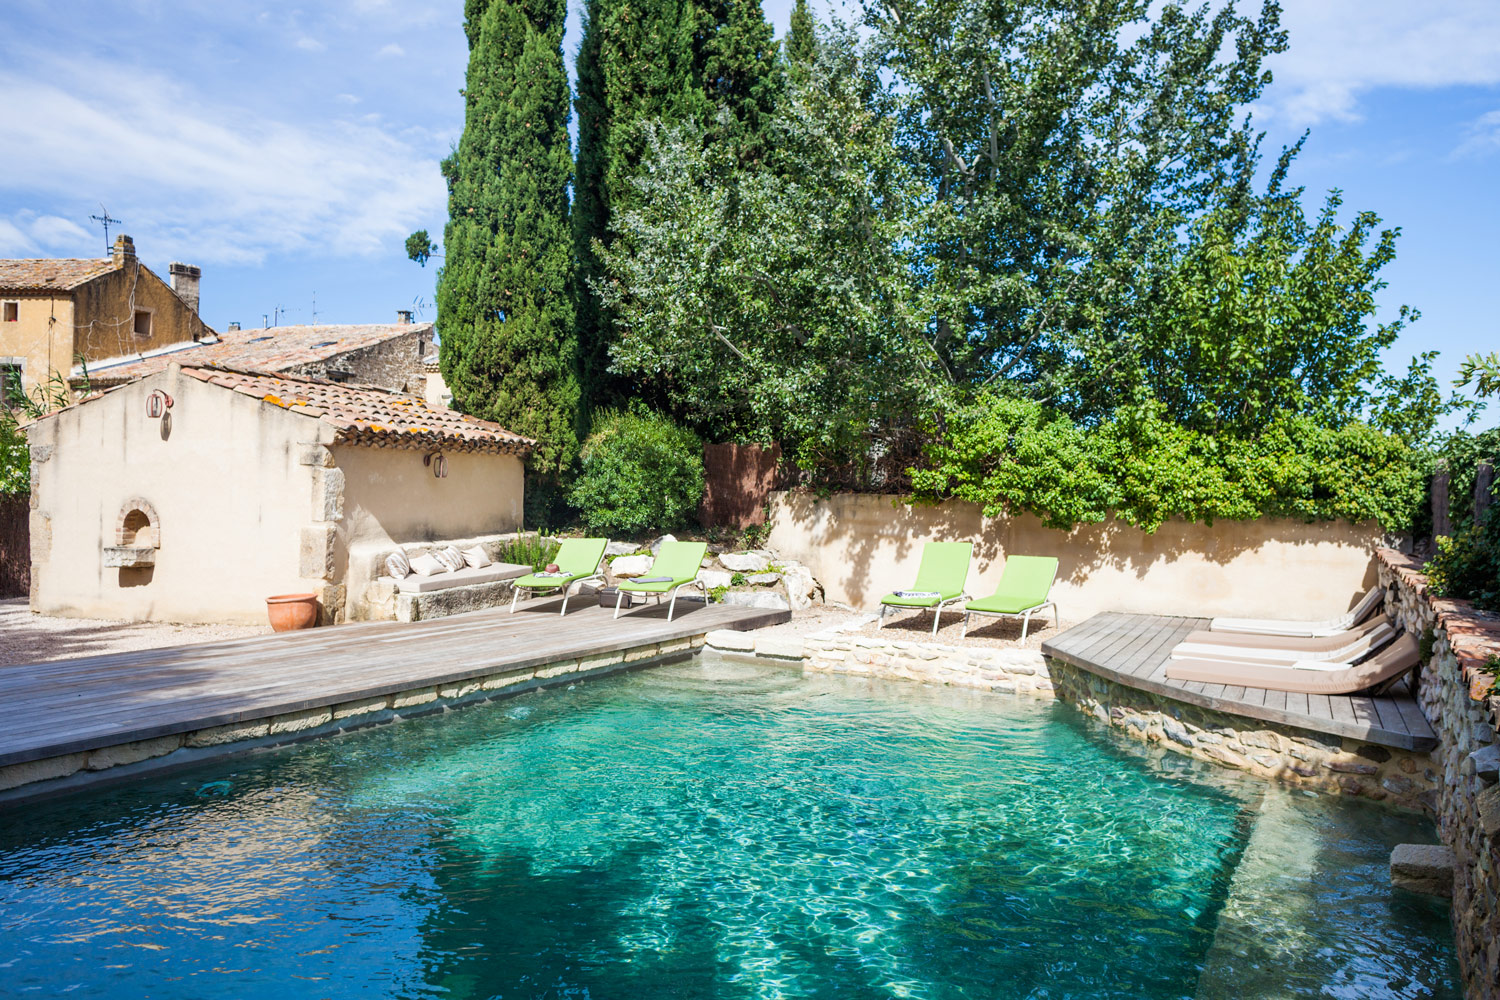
{"type": "Point", "coordinates": [861, 546]}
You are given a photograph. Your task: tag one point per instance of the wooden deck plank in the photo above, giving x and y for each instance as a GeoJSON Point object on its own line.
{"type": "Point", "coordinates": [1122, 648]}
{"type": "Point", "coordinates": [72, 706]}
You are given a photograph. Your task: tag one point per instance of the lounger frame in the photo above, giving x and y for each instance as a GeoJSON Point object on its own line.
{"type": "Point", "coordinates": [1024, 615]}
{"type": "Point", "coordinates": [937, 609]}
{"type": "Point", "coordinates": [672, 606]}
{"type": "Point", "coordinates": [566, 588]}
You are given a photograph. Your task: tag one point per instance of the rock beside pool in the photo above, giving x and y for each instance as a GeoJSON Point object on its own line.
{"type": "Point", "coordinates": [713, 578]}
{"type": "Point", "coordinates": [1426, 868]}
{"type": "Point", "coordinates": [729, 639]}
{"type": "Point", "coordinates": [626, 567]}
{"type": "Point", "coordinates": [763, 579]}
{"type": "Point", "coordinates": [656, 545]}
{"type": "Point", "coordinates": [620, 548]}
{"type": "Point", "coordinates": [764, 600]}
{"type": "Point", "coordinates": [1487, 763]}
{"type": "Point", "coordinates": [745, 562]}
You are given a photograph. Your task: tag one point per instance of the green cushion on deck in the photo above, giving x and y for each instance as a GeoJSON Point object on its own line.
{"type": "Point", "coordinates": [1025, 583]}
{"type": "Point", "coordinates": [577, 557]}
{"type": "Point", "coordinates": [678, 560]}
{"type": "Point", "coordinates": [944, 570]}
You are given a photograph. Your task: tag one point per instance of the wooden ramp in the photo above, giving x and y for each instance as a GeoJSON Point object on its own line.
{"type": "Point", "coordinates": [95, 702]}
{"type": "Point", "coordinates": [1133, 650]}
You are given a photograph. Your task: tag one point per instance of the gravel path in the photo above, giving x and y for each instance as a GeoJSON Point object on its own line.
{"type": "Point", "coordinates": [29, 638]}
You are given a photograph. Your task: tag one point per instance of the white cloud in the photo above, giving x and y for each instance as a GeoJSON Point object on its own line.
{"type": "Point", "coordinates": [213, 183]}
{"type": "Point", "coordinates": [13, 242]}
{"type": "Point", "coordinates": [1482, 136]}
{"type": "Point", "coordinates": [55, 231]}
{"type": "Point", "coordinates": [307, 44]}
{"type": "Point", "coordinates": [346, 99]}
{"type": "Point", "coordinates": [1342, 49]}
{"type": "Point", "coordinates": [391, 50]}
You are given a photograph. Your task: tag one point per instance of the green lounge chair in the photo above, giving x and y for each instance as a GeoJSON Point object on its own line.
{"type": "Point", "coordinates": [1024, 585]}
{"type": "Point", "coordinates": [943, 572]}
{"type": "Point", "coordinates": [577, 559]}
{"type": "Point", "coordinates": [676, 566]}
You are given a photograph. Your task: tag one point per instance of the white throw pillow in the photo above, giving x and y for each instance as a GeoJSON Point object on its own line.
{"type": "Point", "coordinates": [427, 565]}
{"type": "Point", "coordinates": [397, 566]}
{"type": "Point", "coordinates": [451, 557]}
{"type": "Point", "coordinates": [476, 557]}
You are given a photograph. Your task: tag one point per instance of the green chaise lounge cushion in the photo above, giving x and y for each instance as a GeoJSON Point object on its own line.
{"type": "Point", "coordinates": [576, 557]}
{"type": "Point", "coordinates": [678, 561]}
{"type": "Point", "coordinates": [944, 570]}
{"type": "Point", "coordinates": [1025, 583]}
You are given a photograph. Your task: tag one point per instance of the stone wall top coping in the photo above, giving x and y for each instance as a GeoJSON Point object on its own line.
{"type": "Point", "coordinates": [1473, 634]}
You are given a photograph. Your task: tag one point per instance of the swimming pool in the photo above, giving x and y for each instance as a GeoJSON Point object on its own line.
{"type": "Point", "coordinates": [715, 829]}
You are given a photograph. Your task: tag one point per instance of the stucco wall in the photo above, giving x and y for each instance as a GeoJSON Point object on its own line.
{"type": "Point", "coordinates": [104, 314]}
{"type": "Point", "coordinates": [860, 546]}
{"type": "Point", "coordinates": [226, 483]}
{"type": "Point", "coordinates": [390, 498]}
{"type": "Point", "coordinates": [41, 336]}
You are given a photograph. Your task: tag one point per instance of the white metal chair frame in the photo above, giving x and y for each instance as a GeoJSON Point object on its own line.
{"type": "Point", "coordinates": [936, 608]}
{"type": "Point", "coordinates": [1025, 617]}
{"type": "Point", "coordinates": [672, 607]}
{"type": "Point", "coordinates": [565, 588]}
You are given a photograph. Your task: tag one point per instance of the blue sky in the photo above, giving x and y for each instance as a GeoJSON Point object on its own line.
{"type": "Point", "coordinates": [289, 150]}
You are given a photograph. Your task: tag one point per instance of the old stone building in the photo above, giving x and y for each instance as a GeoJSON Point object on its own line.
{"type": "Point", "coordinates": [388, 355]}
{"type": "Point", "coordinates": [54, 311]}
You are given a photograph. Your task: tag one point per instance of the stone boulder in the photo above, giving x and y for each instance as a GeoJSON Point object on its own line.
{"type": "Point", "coordinates": [767, 600]}
{"type": "Point", "coordinates": [620, 548]}
{"type": "Point", "coordinates": [800, 585]}
{"type": "Point", "coordinates": [745, 562]}
{"type": "Point", "coordinates": [1424, 868]}
{"type": "Point", "coordinates": [763, 579]}
{"type": "Point", "coordinates": [656, 545]}
{"type": "Point", "coordinates": [715, 578]}
{"type": "Point", "coordinates": [626, 567]}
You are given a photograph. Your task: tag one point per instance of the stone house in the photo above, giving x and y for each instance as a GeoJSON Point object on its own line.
{"type": "Point", "coordinates": [56, 310]}
{"type": "Point", "coordinates": [194, 493]}
{"type": "Point", "coordinates": [389, 355]}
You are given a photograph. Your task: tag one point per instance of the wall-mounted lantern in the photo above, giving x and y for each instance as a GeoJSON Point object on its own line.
{"type": "Point", "coordinates": [157, 403]}
{"type": "Point", "coordinates": [438, 462]}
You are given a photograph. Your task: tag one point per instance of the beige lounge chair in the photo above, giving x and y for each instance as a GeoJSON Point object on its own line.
{"type": "Point", "coordinates": [1276, 626]}
{"type": "Point", "coordinates": [1346, 647]}
{"type": "Point", "coordinates": [1375, 675]}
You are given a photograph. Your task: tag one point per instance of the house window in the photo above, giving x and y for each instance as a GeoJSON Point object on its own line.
{"type": "Point", "coordinates": [12, 312]}
{"type": "Point", "coordinates": [143, 322]}
{"type": "Point", "coordinates": [10, 379]}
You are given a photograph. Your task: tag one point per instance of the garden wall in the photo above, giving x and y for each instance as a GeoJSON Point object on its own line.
{"type": "Point", "coordinates": [737, 479]}
{"type": "Point", "coordinates": [15, 544]}
{"type": "Point", "coordinates": [1455, 694]}
{"type": "Point", "coordinates": [860, 546]}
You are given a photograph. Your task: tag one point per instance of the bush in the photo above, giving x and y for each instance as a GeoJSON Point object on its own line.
{"type": "Point", "coordinates": [528, 550]}
{"type": "Point", "coordinates": [1467, 565]}
{"type": "Point", "coordinates": [640, 473]}
{"type": "Point", "coordinates": [1010, 455]}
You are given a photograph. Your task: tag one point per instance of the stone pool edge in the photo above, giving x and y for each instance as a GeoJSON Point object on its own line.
{"type": "Point", "coordinates": [72, 772]}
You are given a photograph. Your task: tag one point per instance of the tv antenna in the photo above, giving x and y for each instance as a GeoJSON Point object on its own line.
{"type": "Point", "coordinates": [106, 221]}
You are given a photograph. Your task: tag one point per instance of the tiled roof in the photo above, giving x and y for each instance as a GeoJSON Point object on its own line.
{"type": "Point", "coordinates": [50, 273]}
{"type": "Point", "coordinates": [365, 414]}
{"type": "Point", "coordinates": [270, 350]}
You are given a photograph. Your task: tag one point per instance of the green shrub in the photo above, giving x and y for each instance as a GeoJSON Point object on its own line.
{"type": "Point", "coordinates": [528, 550]}
{"type": "Point", "coordinates": [1011, 455]}
{"type": "Point", "coordinates": [640, 473]}
{"type": "Point", "coordinates": [1467, 565]}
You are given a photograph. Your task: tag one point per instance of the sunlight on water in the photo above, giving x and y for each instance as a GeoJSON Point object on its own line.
{"type": "Point", "coordinates": [715, 829]}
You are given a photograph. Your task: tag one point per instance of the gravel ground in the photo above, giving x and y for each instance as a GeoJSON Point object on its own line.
{"type": "Point", "coordinates": [29, 638]}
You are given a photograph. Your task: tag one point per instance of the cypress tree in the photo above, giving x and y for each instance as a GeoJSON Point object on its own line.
{"type": "Point", "coordinates": [645, 61]}
{"type": "Point", "coordinates": [801, 42]}
{"type": "Point", "coordinates": [505, 312]}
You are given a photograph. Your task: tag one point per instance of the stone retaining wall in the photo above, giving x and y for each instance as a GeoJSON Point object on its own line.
{"type": "Point", "coordinates": [1009, 671]}
{"type": "Point", "coordinates": [1455, 694]}
{"type": "Point", "coordinates": [69, 771]}
{"type": "Point", "coordinates": [1299, 757]}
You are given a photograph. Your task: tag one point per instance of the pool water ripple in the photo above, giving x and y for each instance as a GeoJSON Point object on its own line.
{"type": "Point", "coordinates": [714, 829]}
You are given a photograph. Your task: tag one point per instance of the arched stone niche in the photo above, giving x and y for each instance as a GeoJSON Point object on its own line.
{"type": "Point", "coordinates": [137, 536]}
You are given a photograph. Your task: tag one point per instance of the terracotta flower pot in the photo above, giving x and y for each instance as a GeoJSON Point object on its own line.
{"type": "Point", "coordinates": [292, 611]}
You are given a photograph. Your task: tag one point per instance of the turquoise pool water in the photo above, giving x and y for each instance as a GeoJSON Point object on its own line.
{"type": "Point", "coordinates": [714, 829]}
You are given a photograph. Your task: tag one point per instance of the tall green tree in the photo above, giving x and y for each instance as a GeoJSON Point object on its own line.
{"type": "Point", "coordinates": [801, 42]}
{"type": "Point", "coordinates": [505, 312]}
{"type": "Point", "coordinates": [643, 62]}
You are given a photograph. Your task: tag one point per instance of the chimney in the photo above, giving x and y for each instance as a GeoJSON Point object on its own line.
{"type": "Point", "coordinates": [124, 250]}
{"type": "Point", "coordinates": [403, 316]}
{"type": "Point", "coordinates": [185, 278]}
{"type": "Point", "coordinates": [234, 326]}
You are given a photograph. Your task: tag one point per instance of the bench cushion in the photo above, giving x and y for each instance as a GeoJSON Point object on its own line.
{"type": "Point", "coordinates": [467, 577]}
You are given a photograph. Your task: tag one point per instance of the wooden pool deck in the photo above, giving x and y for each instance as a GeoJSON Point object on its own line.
{"type": "Point", "coordinates": [71, 707]}
{"type": "Point", "coordinates": [1133, 650]}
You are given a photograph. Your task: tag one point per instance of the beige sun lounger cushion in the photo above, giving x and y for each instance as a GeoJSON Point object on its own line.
{"type": "Point", "coordinates": [1244, 648]}
{"type": "Point", "coordinates": [1318, 677]}
{"type": "Point", "coordinates": [1275, 626]}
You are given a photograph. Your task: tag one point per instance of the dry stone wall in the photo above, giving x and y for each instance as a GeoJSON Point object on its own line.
{"type": "Point", "coordinates": [1456, 694]}
{"type": "Point", "coordinates": [1008, 671]}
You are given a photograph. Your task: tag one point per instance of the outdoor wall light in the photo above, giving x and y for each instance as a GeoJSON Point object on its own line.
{"type": "Point", "coordinates": [157, 403]}
{"type": "Point", "coordinates": [439, 464]}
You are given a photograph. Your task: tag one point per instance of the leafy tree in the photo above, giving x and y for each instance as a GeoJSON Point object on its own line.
{"type": "Point", "coordinates": [644, 62]}
{"type": "Point", "coordinates": [1411, 406]}
{"type": "Point", "coordinates": [640, 473]}
{"type": "Point", "coordinates": [420, 248]}
{"type": "Point", "coordinates": [504, 295]}
{"type": "Point", "coordinates": [1484, 371]}
{"type": "Point", "coordinates": [801, 42]}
